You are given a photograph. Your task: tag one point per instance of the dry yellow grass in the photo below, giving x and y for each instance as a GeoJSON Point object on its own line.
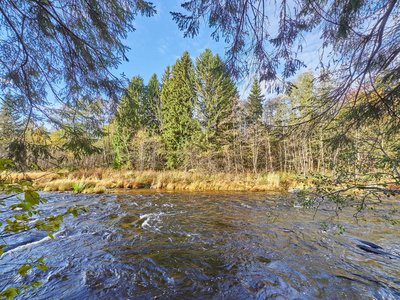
{"type": "Point", "coordinates": [99, 180]}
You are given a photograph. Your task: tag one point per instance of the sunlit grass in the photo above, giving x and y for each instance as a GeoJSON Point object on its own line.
{"type": "Point", "coordinates": [99, 180]}
{"type": "Point", "coordinates": [78, 186]}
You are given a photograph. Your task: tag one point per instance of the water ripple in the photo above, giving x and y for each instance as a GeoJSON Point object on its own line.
{"type": "Point", "coordinates": [152, 245]}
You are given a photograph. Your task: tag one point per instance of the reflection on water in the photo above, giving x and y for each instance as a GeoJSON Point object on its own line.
{"type": "Point", "coordinates": [152, 245]}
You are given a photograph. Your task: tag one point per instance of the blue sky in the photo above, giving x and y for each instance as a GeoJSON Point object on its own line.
{"type": "Point", "coordinates": [157, 43]}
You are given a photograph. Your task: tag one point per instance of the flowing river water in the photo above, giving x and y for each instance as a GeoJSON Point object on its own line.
{"type": "Point", "coordinates": [181, 245]}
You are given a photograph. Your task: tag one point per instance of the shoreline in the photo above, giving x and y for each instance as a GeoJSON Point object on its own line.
{"type": "Point", "coordinates": [100, 180]}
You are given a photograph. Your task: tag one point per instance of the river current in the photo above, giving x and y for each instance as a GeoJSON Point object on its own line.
{"type": "Point", "coordinates": [181, 245]}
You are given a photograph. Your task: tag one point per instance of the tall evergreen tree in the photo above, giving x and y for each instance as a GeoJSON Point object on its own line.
{"type": "Point", "coordinates": [303, 96]}
{"type": "Point", "coordinates": [253, 109]}
{"type": "Point", "coordinates": [128, 120]}
{"type": "Point", "coordinates": [153, 105]}
{"type": "Point", "coordinates": [254, 103]}
{"type": "Point", "coordinates": [164, 93]}
{"type": "Point", "coordinates": [178, 100]}
{"type": "Point", "coordinates": [214, 93]}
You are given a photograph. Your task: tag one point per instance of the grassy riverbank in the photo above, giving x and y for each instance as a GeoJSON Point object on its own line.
{"type": "Point", "coordinates": [99, 180]}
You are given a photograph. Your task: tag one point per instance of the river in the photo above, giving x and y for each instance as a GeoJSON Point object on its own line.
{"type": "Point", "coordinates": [181, 245]}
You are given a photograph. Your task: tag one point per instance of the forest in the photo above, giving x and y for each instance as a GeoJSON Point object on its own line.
{"type": "Point", "coordinates": [338, 121]}
{"type": "Point", "coordinates": [193, 120]}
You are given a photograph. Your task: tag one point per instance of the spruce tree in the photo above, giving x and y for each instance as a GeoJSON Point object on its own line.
{"type": "Point", "coordinates": [214, 93]}
{"type": "Point", "coordinates": [178, 99]}
{"type": "Point", "coordinates": [254, 103]}
{"type": "Point", "coordinates": [153, 105]}
{"type": "Point", "coordinates": [253, 117]}
{"type": "Point", "coordinates": [164, 93]}
{"type": "Point", "coordinates": [304, 97]}
{"type": "Point", "coordinates": [128, 120]}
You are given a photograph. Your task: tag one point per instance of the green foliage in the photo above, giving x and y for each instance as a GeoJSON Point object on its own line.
{"type": "Point", "coordinates": [152, 113]}
{"type": "Point", "coordinates": [133, 105]}
{"type": "Point", "coordinates": [6, 164]}
{"type": "Point", "coordinates": [78, 186]}
{"type": "Point", "coordinates": [12, 145]}
{"type": "Point", "coordinates": [128, 120]}
{"type": "Point", "coordinates": [255, 46]}
{"type": "Point", "coordinates": [63, 53]}
{"type": "Point", "coordinates": [177, 109]}
{"type": "Point", "coordinates": [139, 108]}
{"type": "Point", "coordinates": [27, 207]}
{"type": "Point", "coordinates": [66, 50]}
{"type": "Point", "coordinates": [340, 229]}
{"type": "Point", "coordinates": [81, 126]}
{"type": "Point", "coordinates": [10, 123]}
{"type": "Point", "coordinates": [80, 145]}
{"type": "Point", "coordinates": [214, 97]}
{"type": "Point", "coordinates": [254, 104]}
{"type": "Point", "coordinates": [365, 89]}
{"type": "Point", "coordinates": [304, 97]}
{"type": "Point", "coordinates": [1, 249]}
{"type": "Point", "coordinates": [361, 162]}
{"type": "Point", "coordinates": [10, 293]}
{"type": "Point", "coordinates": [77, 209]}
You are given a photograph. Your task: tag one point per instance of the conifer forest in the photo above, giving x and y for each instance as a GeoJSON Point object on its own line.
{"type": "Point", "coordinates": [193, 119]}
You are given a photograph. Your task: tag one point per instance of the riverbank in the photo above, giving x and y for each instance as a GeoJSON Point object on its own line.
{"type": "Point", "coordinates": [100, 180]}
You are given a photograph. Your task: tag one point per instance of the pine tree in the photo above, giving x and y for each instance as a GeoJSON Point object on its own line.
{"type": "Point", "coordinates": [254, 103]}
{"type": "Point", "coordinates": [178, 99]}
{"type": "Point", "coordinates": [214, 93]}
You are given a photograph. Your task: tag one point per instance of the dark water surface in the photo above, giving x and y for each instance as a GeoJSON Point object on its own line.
{"type": "Point", "coordinates": [149, 245]}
